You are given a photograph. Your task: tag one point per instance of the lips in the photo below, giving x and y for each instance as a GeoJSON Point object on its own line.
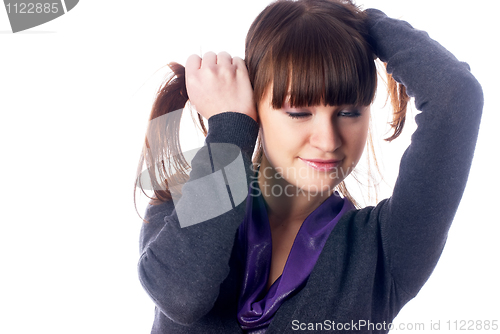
{"type": "Point", "coordinates": [322, 165]}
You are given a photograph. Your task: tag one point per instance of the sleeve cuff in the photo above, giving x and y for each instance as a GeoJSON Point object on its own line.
{"type": "Point", "coordinates": [235, 128]}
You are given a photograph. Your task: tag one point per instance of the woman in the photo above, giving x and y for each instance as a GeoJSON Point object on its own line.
{"type": "Point", "coordinates": [295, 255]}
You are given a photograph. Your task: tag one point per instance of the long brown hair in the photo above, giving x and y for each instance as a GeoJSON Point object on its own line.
{"type": "Point", "coordinates": [311, 51]}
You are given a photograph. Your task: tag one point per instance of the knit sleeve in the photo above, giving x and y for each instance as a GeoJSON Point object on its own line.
{"type": "Point", "coordinates": [433, 171]}
{"type": "Point", "coordinates": [186, 246]}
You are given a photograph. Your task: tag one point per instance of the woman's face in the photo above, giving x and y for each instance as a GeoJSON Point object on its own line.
{"type": "Point", "coordinates": [313, 148]}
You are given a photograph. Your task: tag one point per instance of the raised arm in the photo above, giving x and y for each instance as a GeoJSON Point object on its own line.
{"type": "Point", "coordinates": [182, 268]}
{"type": "Point", "coordinates": [434, 169]}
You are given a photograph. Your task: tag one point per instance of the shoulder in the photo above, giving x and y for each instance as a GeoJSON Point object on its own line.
{"type": "Point", "coordinates": [156, 206]}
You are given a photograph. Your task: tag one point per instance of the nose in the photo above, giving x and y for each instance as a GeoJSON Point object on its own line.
{"type": "Point", "coordinates": [326, 136]}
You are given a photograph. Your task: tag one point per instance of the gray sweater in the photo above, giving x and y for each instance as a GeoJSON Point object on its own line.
{"type": "Point", "coordinates": [377, 258]}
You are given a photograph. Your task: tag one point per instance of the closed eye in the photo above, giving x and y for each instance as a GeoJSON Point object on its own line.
{"type": "Point", "coordinates": [350, 113]}
{"type": "Point", "coordinates": [298, 114]}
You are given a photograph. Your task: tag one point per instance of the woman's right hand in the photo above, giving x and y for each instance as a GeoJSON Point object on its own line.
{"type": "Point", "coordinates": [219, 83]}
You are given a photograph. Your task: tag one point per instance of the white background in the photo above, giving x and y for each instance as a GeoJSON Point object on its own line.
{"type": "Point", "coordinates": [75, 95]}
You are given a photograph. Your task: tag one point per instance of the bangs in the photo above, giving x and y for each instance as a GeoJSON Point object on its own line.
{"type": "Point", "coordinates": [317, 61]}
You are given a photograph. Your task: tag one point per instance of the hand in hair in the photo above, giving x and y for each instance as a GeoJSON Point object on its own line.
{"type": "Point", "coordinates": [219, 83]}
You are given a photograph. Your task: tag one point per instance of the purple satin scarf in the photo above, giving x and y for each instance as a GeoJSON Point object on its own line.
{"type": "Point", "coordinates": [256, 308]}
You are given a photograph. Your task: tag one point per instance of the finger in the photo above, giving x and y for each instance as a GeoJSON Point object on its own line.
{"type": "Point", "coordinates": [209, 59]}
{"type": "Point", "coordinates": [240, 64]}
{"type": "Point", "coordinates": [193, 63]}
{"type": "Point", "coordinates": [224, 58]}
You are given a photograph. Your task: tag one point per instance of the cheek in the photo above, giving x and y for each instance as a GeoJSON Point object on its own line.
{"type": "Point", "coordinates": [277, 136]}
{"type": "Point", "coordinates": [270, 137]}
{"type": "Point", "coordinates": [355, 140]}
